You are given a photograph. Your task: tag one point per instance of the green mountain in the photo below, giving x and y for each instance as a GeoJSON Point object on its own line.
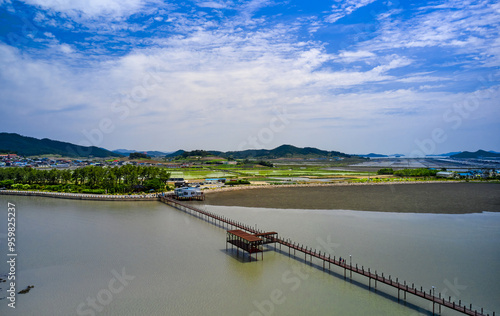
{"type": "Point", "coordinates": [175, 154]}
{"type": "Point", "coordinates": [283, 151]}
{"type": "Point", "coordinates": [151, 153]}
{"type": "Point", "coordinates": [477, 154]}
{"type": "Point", "coordinates": [29, 146]}
{"type": "Point", "coordinates": [195, 153]}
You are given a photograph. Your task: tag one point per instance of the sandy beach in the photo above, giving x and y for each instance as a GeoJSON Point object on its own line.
{"type": "Point", "coordinates": [444, 198]}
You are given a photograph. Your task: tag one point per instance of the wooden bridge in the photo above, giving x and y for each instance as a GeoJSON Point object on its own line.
{"type": "Point", "coordinates": [404, 288]}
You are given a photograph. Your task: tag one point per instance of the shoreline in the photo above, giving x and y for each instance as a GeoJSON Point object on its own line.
{"type": "Point", "coordinates": [336, 184]}
{"type": "Point", "coordinates": [398, 197]}
{"type": "Point", "coordinates": [154, 196]}
{"type": "Point", "coordinates": [413, 197]}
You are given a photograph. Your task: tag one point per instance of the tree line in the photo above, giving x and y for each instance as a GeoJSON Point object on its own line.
{"type": "Point", "coordinates": [90, 179]}
{"type": "Point", "coordinates": [419, 172]}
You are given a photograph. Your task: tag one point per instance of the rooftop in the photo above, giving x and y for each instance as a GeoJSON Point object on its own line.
{"type": "Point", "coordinates": [244, 235]}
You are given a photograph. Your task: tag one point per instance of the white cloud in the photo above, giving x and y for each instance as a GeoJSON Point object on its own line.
{"type": "Point", "coordinates": [91, 8]}
{"type": "Point", "coordinates": [491, 55]}
{"type": "Point", "coordinates": [427, 87]}
{"type": "Point", "coordinates": [65, 48]}
{"type": "Point", "coordinates": [254, 5]}
{"type": "Point", "coordinates": [354, 56]}
{"type": "Point", "coordinates": [249, 8]}
{"type": "Point", "coordinates": [467, 28]}
{"type": "Point", "coordinates": [213, 4]}
{"type": "Point", "coordinates": [39, 92]}
{"type": "Point", "coordinates": [207, 77]}
{"type": "Point", "coordinates": [345, 8]}
{"type": "Point", "coordinates": [421, 78]}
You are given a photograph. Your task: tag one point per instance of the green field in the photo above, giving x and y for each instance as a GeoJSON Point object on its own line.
{"type": "Point", "coordinates": [300, 173]}
{"type": "Point", "coordinates": [200, 174]}
{"type": "Point", "coordinates": [262, 174]}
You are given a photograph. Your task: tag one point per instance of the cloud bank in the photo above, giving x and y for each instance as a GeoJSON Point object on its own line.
{"type": "Point", "coordinates": [210, 74]}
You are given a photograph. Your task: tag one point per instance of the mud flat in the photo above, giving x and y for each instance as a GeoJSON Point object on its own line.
{"type": "Point", "coordinates": [442, 198]}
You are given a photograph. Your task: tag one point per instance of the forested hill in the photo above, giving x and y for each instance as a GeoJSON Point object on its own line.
{"type": "Point", "coordinates": [29, 146]}
{"type": "Point", "coordinates": [283, 151]}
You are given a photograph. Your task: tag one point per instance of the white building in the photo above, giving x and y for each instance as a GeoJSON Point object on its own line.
{"type": "Point", "coordinates": [187, 193]}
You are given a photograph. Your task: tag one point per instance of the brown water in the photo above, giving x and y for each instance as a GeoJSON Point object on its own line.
{"type": "Point", "coordinates": [177, 264]}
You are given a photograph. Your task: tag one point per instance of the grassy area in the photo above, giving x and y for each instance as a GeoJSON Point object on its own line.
{"type": "Point", "coordinates": [200, 174]}
{"type": "Point", "coordinates": [398, 179]}
{"type": "Point", "coordinates": [301, 172]}
{"type": "Point", "coordinates": [259, 173]}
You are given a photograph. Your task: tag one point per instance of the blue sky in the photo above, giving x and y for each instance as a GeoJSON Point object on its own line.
{"type": "Point", "coordinates": [410, 77]}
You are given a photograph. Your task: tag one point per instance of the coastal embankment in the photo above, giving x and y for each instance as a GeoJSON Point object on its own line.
{"type": "Point", "coordinates": [78, 196]}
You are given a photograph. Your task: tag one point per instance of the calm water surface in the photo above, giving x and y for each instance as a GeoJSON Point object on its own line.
{"type": "Point", "coordinates": [174, 264]}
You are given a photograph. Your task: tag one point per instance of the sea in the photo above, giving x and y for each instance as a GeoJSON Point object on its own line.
{"type": "Point", "coordinates": [147, 258]}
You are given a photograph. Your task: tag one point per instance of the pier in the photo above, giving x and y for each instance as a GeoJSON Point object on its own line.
{"type": "Point", "coordinates": [234, 228]}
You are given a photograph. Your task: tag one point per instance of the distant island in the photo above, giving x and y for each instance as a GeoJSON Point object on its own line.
{"type": "Point", "coordinates": [477, 154]}
{"type": "Point", "coordinates": [373, 155]}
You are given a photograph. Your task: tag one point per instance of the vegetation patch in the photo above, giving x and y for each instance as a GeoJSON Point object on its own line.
{"type": "Point", "coordinates": [385, 171]}
{"type": "Point", "coordinates": [92, 179]}
{"type": "Point", "coordinates": [238, 182]}
{"type": "Point", "coordinates": [420, 172]}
